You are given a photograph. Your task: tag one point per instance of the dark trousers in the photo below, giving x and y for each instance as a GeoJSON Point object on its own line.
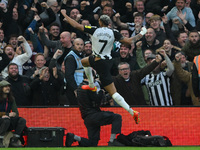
{"type": "Point", "coordinates": [4, 125]}
{"type": "Point", "coordinates": [71, 97]}
{"type": "Point", "coordinates": [14, 123]}
{"type": "Point", "coordinates": [93, 123]}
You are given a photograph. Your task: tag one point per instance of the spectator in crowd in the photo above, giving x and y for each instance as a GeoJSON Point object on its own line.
{"type": "Point", "coordinates": [87, 48]}
{"type": "Point", "coordinates": [74, 3]}
{"type": "Point", "coordinates": [181, 26]}
{"type": "Point", "coordinates": [140, 54]}
{"type": "Point", "coordinates": [177, 38]}
{"type": "Point", "coordinates": [142, 60]}
{"type": "Point", "coordinates": [64, 44]}
{"type": "Point", "coordinates": [12, 40]}
{"type": "Point", "coordinates": [150, 41]}
{"type": "Point", "coordinates": [134, 27]}
{"type": "Point", "coordinates": [180, 6]}
{"type": "Point", "coordinates": [9, 116]}
{"type": "Point", "coordinates": [128, 83]}
{"type": "Point", "coordinates": [55, 5]}
{"type": "Point", "coordinates": [159, 81]}
{"type": "Point", "coordinates": [89, 104]}
{"type": "Point", "coordinates": [185, 24]}
{"type": "Point", "coordinates": [39, 63]}
{"type": "Point", "coordinates": [73, 36]}
{"type": "Point", "coordinates": [124, 57]}
{"type": "Point", "coordinates": [30, 63]}
{"type": "Point", "coordinates": [155, 21]}
{"type": "Point", "coordinates": [186, 77]}
{"type": "Point", "coordinates": [4, 60]}
{"type": "Point", "coordinates": [147, 52]}
{"type": "Point", "coordinates": [117, 44]}
{"type": "Point", "coordinates": [32, 34]}
{"type": "Point", "coordinates": [18, 16]}
{"type": "Point", "coordinates": [51, 8]}
{"type": "Point", "coordinates": [195, 8]}
{"type": "Point", "coordinates": [130, 10]}
{"type": "Point", "coordinates": [13, 20]}
{"type": "Point", "coordinates": [146, 19]}
{"type": "Point", "coordinates": [48, 52]}
{"type": "Point", "coordinates": [54, 31]}
{"type": "Point", "coordinates": [125, 8]}
{"type": "Point", "coordinates": [185, 64]}
{"type": "Point", "coordinates": [86, 11]}
{"type": "Point", "coordinates": [45, 88]}
{"type": "Point", "coordinates": [19, 85]}
{"type": "Point", "coordinates": [98, 10]}
{"type": "Point", "coordinates": [69, 5]}
{"type": "Point", "coordinates": [170, 49]}
{"type": "Point", "coordinates": [125, 33]}
{"type": "Point", "coordinates": [191, 48]}
{"type": "Point", "coordinates": [74, 70]}
{"type": "Point", "coordinates": [2, 39]}
{"type": "Point", "coordinates": [185, 98]}
{"type": "Point", "coordinates": [18, 59]}
{"type": "Point", "coordinates": [139, 6]}
{"type": "Point", "coordinates": [176, 86]}
{"type": "Point", "coordinates": [154, 6]}
{"type": "Point", "coordinates": [53, 35]}
{"type": "Point", "coordinates": [31, 12]}
{"type": "Point", "coordinates": [62, 96]}
{"type": "Point", "coordinates": [75, 14]}
{"type": "Point", "coordinates": [167, 5]}
{"type": "Point", "coordinates": [108, 10]}
{"type": "Point", "coordinates": [3, 8]}
{"type": "Point", "coordinates": [182, 39]}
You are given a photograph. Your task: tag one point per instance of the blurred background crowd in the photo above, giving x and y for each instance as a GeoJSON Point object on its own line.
{"type": "Point", "coordinates": [37, 43]}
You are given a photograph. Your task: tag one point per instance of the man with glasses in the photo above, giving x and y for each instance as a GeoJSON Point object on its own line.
{"type": "Point", "coordinates": [128, 83]}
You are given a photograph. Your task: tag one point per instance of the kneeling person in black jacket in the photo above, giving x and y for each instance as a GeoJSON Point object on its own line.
{"type": "Point", "coordinates": [89, 104]}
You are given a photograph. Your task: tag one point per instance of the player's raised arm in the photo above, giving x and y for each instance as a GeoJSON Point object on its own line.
{"type": "Point", "coordinates": [133, 39]}
{"type": "Point", "coordinates": [71, 21]}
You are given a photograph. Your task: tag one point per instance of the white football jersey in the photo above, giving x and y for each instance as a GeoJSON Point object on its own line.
{"type": "Point", "coordinates": [102, 40]}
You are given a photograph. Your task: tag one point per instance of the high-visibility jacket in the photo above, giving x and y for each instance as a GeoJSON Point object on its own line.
{"type": "Point", "coordinates": [78, 75]}
{"type": "Point", "coordinates": [197, 63]}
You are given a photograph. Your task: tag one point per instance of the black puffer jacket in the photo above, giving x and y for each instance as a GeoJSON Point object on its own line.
{"type": "Point", "coordinates": [89, 102]}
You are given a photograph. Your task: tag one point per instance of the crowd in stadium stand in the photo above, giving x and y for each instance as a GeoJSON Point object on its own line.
{"type": "Point", "coordinates": [41, 52]}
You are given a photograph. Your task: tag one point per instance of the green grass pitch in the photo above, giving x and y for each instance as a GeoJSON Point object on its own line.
{"type": "Point", "coordinates": [108, 148]}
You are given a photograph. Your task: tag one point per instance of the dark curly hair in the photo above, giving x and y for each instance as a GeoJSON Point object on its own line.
{"type": "Point", "coordinates": [10, 95]}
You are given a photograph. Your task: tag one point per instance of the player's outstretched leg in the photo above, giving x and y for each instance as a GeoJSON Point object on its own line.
{"type": "Point", "coordinates": [91, 86]}
{"type": "Point", "coordinates": [136, 116]}
{"type": "Point", "coordinates": [120, 100]}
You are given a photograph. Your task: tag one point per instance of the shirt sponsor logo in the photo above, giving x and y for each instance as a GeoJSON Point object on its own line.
{"type": "Point", "coordinates": [159, 82]}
